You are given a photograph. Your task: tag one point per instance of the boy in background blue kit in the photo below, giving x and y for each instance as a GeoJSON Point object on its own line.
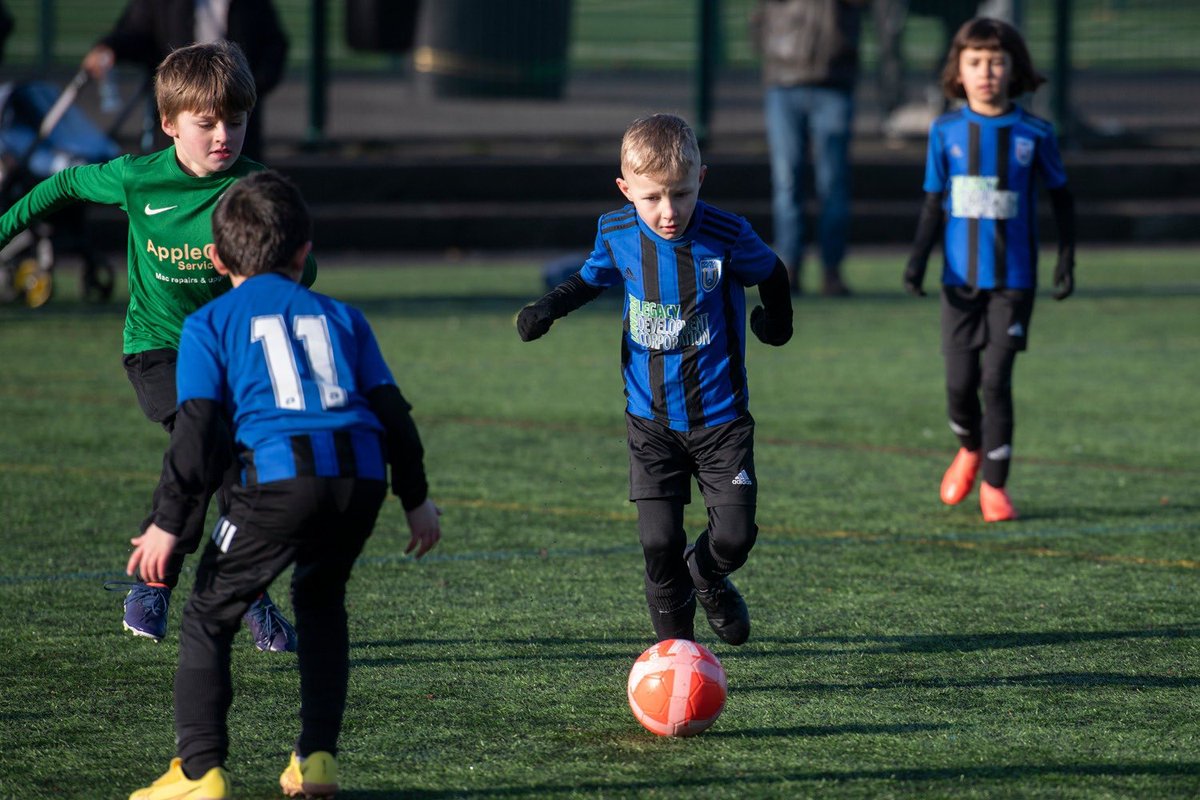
{"type": "Point", "coordinates": [683, 265]}
{"type": "Point", "coordinates": [979, 179]}
{"type": "Point", "coordinates": [316, 416]}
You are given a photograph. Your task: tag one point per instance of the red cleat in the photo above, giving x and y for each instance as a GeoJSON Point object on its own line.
{"type": "Point", "coordinates": [995, 504]}
{"type": "Point", "coordinates": [960, 477]}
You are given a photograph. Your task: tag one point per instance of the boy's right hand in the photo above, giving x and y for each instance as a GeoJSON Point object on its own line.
{"type": "Point", "coordinates": [533, 322]}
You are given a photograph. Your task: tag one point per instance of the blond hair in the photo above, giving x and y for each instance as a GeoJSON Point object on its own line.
{"type": "Point", "coordinates": [661, 145]}
{"type": "Point", "coordinates": [205, 78]}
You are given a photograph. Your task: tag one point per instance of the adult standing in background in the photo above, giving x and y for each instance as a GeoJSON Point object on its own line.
{"type": "Point", "coordinates": [148, 30]}
{"type": "Point", "coordinates": [809, 51]}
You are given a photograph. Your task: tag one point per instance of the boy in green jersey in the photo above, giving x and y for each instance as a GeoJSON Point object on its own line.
{"type": "Point", "coordinates": [205, 94]}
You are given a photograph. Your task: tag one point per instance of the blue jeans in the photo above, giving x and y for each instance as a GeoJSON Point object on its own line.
{"type": "Point", "coordinates": [796, 117]}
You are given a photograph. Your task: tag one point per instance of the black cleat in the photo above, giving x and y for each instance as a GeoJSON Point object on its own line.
{"type": "Point", "coordinates": [727, 612]}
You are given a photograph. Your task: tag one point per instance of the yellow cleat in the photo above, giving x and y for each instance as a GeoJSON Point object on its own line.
{"type": "Point", "coordinates": [174, 785]}
{"type": "Point", "coordinates": [315, 776]}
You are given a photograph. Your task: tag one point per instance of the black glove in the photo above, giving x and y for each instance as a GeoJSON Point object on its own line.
{"type": "Point", "coordinates": [914, 275]}
{"type": "Point", "coordinates": [772, 330]}
{"type": "Point", "coordinates": [533, 322]}
{"type": "Point", "coordinates": [1064, 278]}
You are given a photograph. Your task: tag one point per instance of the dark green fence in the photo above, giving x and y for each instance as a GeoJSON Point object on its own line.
{"type": "Point", "coordinates": [1150, 47]}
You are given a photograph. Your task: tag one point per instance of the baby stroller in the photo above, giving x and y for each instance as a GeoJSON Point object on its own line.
{"type": "Point", "coordinates": [41, 134]}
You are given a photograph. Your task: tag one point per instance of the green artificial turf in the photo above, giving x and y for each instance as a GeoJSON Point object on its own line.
{"type": "Point", "coordinates": [900, 648]}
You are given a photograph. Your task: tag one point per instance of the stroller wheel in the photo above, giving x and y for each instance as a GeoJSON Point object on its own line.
{"type": "Point", "coordinates": [34, 282]}
{"type": "Point", "coordinates": [97, 282]}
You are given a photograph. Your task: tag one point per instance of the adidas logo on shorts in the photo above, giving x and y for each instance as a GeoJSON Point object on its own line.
{"type": "Point", "coordinates": [743, 479]}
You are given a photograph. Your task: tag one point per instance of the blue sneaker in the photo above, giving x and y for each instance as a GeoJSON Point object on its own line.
{"type": "Point", "coordinates": [271, 632]}
{"type": "Point", "coordinates": [145, 609]}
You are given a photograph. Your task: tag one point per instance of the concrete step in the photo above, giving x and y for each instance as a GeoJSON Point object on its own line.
{"type": "Point", "coordinates": [876, 176]}
{"type": "Point", "coordinates": [501, 203]}
{"type": "Point", "coordinates": [572, 225]}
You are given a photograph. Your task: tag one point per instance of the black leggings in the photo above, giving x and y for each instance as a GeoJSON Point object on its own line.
{"type": "Point", "coordinates": [722, 548]}
{"type": "Point", "coordinates": [970, 373]}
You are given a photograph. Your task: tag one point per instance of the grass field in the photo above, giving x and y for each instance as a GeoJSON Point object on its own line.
{"type": "Point", "coordinates": [900, 648]}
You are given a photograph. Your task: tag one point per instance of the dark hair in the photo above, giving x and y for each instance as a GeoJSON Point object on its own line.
{"type": "Point", "coordinates": [991, 34]}
{"type": "Point", "coordinates": [259, 224]}
{"type": "Point", "coordinates": [205, 78]}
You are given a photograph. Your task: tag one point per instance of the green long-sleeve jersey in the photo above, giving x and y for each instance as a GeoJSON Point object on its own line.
{"type": "Point", "coordinates": [171, 273]}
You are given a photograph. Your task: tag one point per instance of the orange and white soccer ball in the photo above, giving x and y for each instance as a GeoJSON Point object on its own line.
{"type": "Point", "coordinates": [677, 688]}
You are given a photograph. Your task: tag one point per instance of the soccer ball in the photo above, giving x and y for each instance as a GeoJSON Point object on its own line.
{"type": "Point", "coordinates": [676, 688]}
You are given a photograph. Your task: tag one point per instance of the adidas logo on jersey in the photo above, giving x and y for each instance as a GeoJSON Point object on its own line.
{"type": "Point", "coordinates": [629, 274]}
{"type": "Point", "coordinates": [743, 479]}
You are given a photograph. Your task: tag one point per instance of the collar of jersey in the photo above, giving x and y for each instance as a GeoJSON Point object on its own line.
{"type": "Point", "coordinates": [1003, 119]}
{"type": "Point", "coordinates": [215, 176]}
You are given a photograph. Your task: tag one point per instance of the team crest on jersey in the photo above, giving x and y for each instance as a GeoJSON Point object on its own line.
{"type": "Point", "coordinates": [1023, 150]}
{"type": "Point", "coordinates": [710, 273]}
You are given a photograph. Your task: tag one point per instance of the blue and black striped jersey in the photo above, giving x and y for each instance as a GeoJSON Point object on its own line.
{"type": "Point", "coordinates": [684, 345]}
{"type": "Point", "coordinates": [286, 362]}
{"type": "Point", "coordinates": [985, 168]}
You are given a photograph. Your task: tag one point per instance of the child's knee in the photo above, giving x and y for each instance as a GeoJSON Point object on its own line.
{"type": "Point", "coordinates": [732, 533]}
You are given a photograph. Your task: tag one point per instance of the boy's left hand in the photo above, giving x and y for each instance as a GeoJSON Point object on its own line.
{"type": "Point", "coordinates": [1064, 280]}
{"type": "Point", "coordinates": [770, 329]}
{"type": "Point", "coordinates": [426, 530]}
{"type": "Point", "coordinates": [151, 551]}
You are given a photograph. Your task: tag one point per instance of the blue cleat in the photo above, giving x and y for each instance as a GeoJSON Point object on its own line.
{"type": "Point", "coordinates": [271, 631]}
{"type": "Point", "coordinates": [146, 610]}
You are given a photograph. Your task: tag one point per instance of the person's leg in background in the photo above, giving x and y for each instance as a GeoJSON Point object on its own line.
{"type": "Point", "coordinates": [786, 124]}
{"type": "Point", "coordinates": [832, 121]}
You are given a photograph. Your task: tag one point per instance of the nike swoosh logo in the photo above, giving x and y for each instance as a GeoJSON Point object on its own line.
{"type": "Point", "coordinates": [150, 212]}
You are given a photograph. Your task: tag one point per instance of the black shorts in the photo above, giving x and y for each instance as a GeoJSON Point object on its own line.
{"type": "Point", "coordinates": [303, 508]}
{"type": "Point", "coordinates": [975, 318]}
{"type": "Point", "coordinates": [152, 373]}
{"type": "Point", "coordinates": [662, 462]}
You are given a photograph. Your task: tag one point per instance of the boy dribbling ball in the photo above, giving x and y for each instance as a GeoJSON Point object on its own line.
{"type": "Point", "coordinates": [979, 180]}
{"type": "Point", "coordinates": [684, 266]}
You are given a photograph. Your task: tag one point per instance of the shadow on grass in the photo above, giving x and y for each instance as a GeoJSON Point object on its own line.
{"type": "Point", "coordinates": [826, 730]}
{"type": "Point", "coordinates": [960, 776]}
{"type": "Point", "coordinates": [1065, 680]}
{"type": "Point", "coordinates": [969, 642]}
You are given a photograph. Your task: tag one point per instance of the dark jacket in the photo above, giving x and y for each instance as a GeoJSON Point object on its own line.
{"type": "Point", "coordinates": [808, 42]}
{"type": "Point", "coordinates": [150, 29]}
